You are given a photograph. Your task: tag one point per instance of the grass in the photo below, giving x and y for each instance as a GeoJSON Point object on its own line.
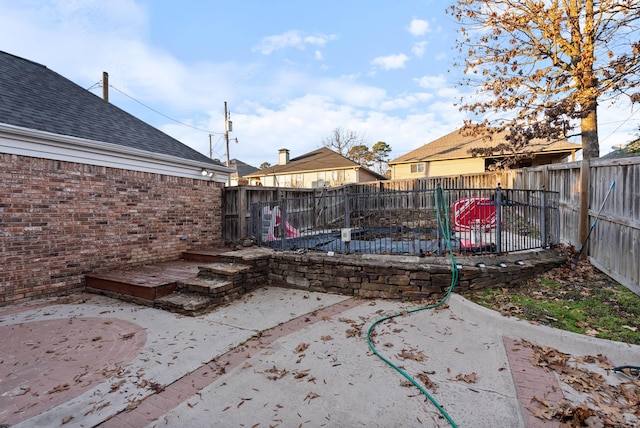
{"type": "Point", "coordinates": [573, 298]}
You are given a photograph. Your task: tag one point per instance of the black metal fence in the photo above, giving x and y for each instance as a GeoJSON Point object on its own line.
{"type": "Point", "coordinates": [412, 222]}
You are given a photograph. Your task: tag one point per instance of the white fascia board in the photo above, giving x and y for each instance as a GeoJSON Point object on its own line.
{"type": "Point", "coordinates": [40, 144]}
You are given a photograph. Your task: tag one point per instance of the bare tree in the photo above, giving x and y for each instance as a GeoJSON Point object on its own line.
{"type": "Point", "coordinates": [544, 66]}
{"type": "Point", "coordinates": [343, 140]}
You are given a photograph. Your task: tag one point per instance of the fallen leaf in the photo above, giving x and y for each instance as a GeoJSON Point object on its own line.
{"type": "Point", "coordinates": [469, 378]}
{"type": "Point", "coordinates": [310, 396]}
{"type": "Point", "coordinates": [59, 388]}
{"type": "Point", "coordinates": [301, 347]}
{"type": "Point", "coordinates": [424, 378]}
{"type": "Point", "coordinates": [409, 355]}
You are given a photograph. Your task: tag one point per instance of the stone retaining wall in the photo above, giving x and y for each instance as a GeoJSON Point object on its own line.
{"type": "Point", "coordinates": [403, 277]}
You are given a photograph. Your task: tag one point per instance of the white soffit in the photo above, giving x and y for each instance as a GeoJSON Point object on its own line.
{"type": "Point", "coordinates": [39, 144]}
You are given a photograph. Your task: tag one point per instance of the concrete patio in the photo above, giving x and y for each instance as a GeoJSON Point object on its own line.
{"type": "Point", "coordinates": [277, 357]}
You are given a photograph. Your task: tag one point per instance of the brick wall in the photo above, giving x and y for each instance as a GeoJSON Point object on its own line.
{"type": "Point", "coordinates": [61, 220]}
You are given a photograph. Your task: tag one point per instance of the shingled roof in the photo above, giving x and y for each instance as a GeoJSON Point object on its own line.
{"type": "Point", "coordinates": [322, 159]}
{"type": "Point", "coordinates": [34, 97]}
{"type": "Point", "coordinates": [457, 145]}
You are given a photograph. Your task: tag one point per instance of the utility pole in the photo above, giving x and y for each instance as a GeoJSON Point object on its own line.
{"type": "Point", "coordinates": [210, 148]}
{"type": "Point", "coordinates": [105, 86]}
{"type": "Point", "coordinates": [227, 128]}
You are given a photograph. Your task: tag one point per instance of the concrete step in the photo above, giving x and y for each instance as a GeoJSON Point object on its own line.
{"type": "Point", "coordinates": [186, 303]}
{"type": "Point", "coordinates": [206, 286]}
{"type": "Point", "coordinates": [206, 255]}
{"type": "Point", "coordinates": [227, 271]}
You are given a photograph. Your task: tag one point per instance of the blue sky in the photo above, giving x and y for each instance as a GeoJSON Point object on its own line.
{"type": "Point", "coordinates": [290, 71]}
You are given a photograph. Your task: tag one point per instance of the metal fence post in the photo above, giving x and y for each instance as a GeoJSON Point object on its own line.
{"type": "Point", "coordinates": [347, 218]}
{"type": "Point", "coordinates": [543, 218]}
{"type": "Point", "coordinates": [498, 202]}
{"type": "Point", "coordinates": [283, 222]}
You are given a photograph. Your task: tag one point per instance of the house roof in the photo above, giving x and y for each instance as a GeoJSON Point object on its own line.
{"type": "Point", "coordinates": [242, 168]}
{"type": "Point", "coordinates": [457, 145]}
{"type": "Point", "coordinates": [34, 97]}
{"type": "Point", "coordinates": [631, 149]}
{"type": "Point", "coordinates": [322, 159]}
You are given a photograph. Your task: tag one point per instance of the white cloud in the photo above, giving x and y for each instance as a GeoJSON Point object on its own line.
{"type": "Point", "coordinates": [419, 27]}
{"type": "Point", "coordinates": [431, 82]}
{"type": "Point", "coordinates": [270, 109]}
{"type": "Point", "coordinates": [390, 62]}
{"type": "Point", "coordinates": [294, 39]}
{"type": "Point", "coordinates": [419, 48]}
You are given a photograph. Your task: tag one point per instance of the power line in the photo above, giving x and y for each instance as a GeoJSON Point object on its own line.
{"type": "Point", "coordinates": [158, 112]}
{"type": "Point", "coordinates": [619, 126]}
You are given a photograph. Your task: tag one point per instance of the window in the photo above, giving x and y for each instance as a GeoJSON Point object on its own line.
{"type": "Point", "coordinates": [417, 167]}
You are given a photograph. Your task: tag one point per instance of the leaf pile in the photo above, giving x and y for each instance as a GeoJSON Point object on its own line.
{"type": "Point", "coordinates": [606, 405]}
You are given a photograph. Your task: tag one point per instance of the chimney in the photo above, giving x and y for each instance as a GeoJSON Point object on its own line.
{"type": "Point", "coordinates": [283, 156]}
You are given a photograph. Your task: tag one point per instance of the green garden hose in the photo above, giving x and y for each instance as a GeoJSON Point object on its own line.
{"type": "Point", "coordinates": [442, 214]}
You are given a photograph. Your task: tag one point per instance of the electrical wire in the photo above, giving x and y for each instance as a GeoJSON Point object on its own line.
{"type": "Point", "coordinates": [440, 206]}
{"type": "Point", "coordinates": [162, 114]}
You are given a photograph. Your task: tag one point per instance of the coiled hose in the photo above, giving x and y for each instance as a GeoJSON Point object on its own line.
{"type": "Point", "coordinates": [441, 209]}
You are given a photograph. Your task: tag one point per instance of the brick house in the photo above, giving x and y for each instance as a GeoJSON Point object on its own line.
{"type": "Point", "coordinates": [85, 186]}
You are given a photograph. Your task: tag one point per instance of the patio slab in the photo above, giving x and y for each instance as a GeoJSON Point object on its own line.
{"type": "Point", "coordinates": [285, 357]}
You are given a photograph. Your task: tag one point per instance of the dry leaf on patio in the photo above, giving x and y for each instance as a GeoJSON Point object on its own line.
{"type": "Point", "coordinates": [66, 419]}
{"type": "Point", "coordinates": [424, 378]}
{"type": "Point", "coordinates": [59, 388]}
{"type": "Point", "coordinates": [469, 378]}
{"type": "Point", "coordinates": [301, 347]}
{"type": "Point", "coordinates": [132, 405]}
{"type": "Point", "coordinates": [310, 396]}
{"type": "Point", "coordinates": [299, 374]}
{"type": "Point", "coordinates": [127, 335]}
{"type": "Point", "coordinates": [353, 332]}
{"type": "Point", "coordinates": [326, 338]}
{"type": "Point", "coordinates": [410, 355]}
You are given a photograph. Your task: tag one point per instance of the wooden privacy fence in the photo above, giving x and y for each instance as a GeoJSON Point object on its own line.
{"type": "Point", "coordinates": [614, 244]}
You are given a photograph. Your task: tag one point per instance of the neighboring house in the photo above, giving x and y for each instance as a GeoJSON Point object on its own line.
{"type": "Point", "coordinates": [85, 186]}
{"type": "Point", "coordinates": [450, 155]}
{"type": "Point", "coordinates": [631, 149]}
{"type": "Point", "coordinates": [319, 168]}
{"type": "Point", "coordinates": [240, 169]}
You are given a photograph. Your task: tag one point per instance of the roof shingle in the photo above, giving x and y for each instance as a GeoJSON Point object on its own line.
{"type": "Point", "coordinates": [34, 97]}
{"type": "Point", "coordinates": [457, 145]}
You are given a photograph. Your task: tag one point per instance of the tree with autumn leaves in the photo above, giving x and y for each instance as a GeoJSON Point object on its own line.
{"type": "Point", "coordinates": [541, 69]}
